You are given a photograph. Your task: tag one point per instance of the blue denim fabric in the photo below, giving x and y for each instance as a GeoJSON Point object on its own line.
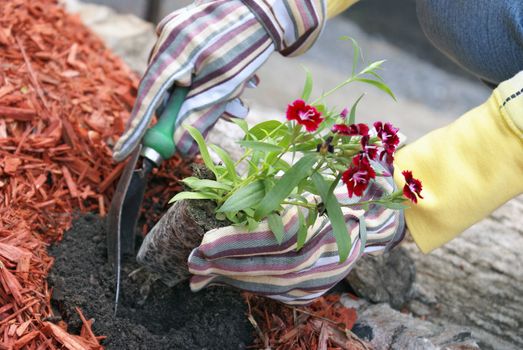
{"type": "Point", "coordinates": [483, 36]}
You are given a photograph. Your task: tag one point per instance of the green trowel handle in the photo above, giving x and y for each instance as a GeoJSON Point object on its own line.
{"type": "Point", "coordinates": [160, 136]}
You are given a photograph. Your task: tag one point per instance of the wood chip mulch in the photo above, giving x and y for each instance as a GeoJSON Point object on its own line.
{"type": "Point", "coordinates": [323, 325]}
{"type": "Point", "coordinates": [64, 98]}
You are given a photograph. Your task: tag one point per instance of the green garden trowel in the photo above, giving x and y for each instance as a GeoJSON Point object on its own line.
{"type": "Point", "coordinates": [157, 146]}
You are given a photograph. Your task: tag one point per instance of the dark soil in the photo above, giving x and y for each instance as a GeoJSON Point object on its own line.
{"type": "Point", "coordinates": [168, 318]}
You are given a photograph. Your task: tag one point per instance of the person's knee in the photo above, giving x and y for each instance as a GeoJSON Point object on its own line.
{"type": "Point", "coordinates": [484, 36]}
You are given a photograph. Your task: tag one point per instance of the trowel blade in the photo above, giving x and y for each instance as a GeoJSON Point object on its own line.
{"type": "Point", "coordinates": [124, 214]}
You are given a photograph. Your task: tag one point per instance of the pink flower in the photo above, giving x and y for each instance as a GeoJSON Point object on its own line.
{"type": "Point", "coordinates": [304, 114]}
{"type": "Point", "coordinates": [371, 151]}
{"type": "Point", "coordinates": [344, 113]}
{"type": "Point", "coordinates": [388, 135]}
{"type": "Point", "coordinates": [358, 175]}
{"type": "Point", "coordinates": [351, 130]}
{"type": "Point", "coordinates": [412, 188]}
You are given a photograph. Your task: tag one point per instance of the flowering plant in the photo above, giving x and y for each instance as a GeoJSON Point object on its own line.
{"type": "Point", "coordinates": [310, 152]}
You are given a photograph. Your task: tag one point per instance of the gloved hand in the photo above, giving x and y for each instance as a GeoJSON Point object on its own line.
{"type": "Point", "coordinates": [215, 47]}
{"type": "Point", "coordinates": [255, 262]}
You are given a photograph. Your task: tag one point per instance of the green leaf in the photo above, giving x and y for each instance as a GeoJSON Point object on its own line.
{"type": "Point", "coordinates": [376, 75]}
{"type": "Point", "coordinates": [302, 230]}
{"type": "Point", "coordinates": [242, 124]}
{"type": "Point", "coordinates": [227, 161]}
{"type": "Point", "coordinates": [261, 146]}
{"type": "Point", "coordinates": [269, 127]}
{"type": "Point", "coordinates": [221, 171]}
{"type": "Point", "coordinates": [355, 55]}
{"type": "Point", "coordinates": [311, 217]}
{"type": "Point", "coordinates": [334, 184]}
{"type": "Point", "coordinates": [321, 185]}
{"type": "Point", "coordinates": [327, 124]}
{"type": "Point", "coordinates": [304, 146]}
{"type": "Point", "coordinates": [245, 197]}
{"type": "Point", "coordinates": [372, 67]}
{"type": "Point", "coordinates": [232, 217]}
{"type": "Point", "coordinates": [321, 108]}
{"type": "Point", "coordinates": [251, 224]}
{"type": "Point", "coordinates": [280, 164]}
{"type": "Point", "coordinates": [285, 185]}
{"type": "Point", "coordinates": [301, 187]}
{"type": "Point", "coordinates": [335, 215]}
{"type": "Point", "coordinates": [356, 52]}
{"type": "Point", "coordinates": [276, 226]}
{"type": "Point", "coordinates": [249, 211]}
{"type": "Point", "coordinates": [377, 84]}
{"type": "Point", "coordinates": [199, 184]}
{"type": "Point", "coordinates": [352, 116]}
{"type": "Point", "coordinates": [253, 163]}
{"type": "Point", "coordinates": [197, 136]}
{"type": "Point", "coordinates": [194, 195]}
{"type": "Point", "coordinates": [269, 184]}
{"type": "Point", "coordinates": [307, 88]}
{"type": "Point", "coordinates": [220, 216]}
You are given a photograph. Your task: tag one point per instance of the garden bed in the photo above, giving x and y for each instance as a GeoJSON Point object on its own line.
{"type": "Point", "coordinates": [169, 318]}
{"type": "Point", "coordinates": [65, 99]}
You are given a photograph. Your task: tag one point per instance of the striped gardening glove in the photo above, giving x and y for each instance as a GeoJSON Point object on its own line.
{"type": "Point", "coordinates": [215, 47]}
{"type": "Point", "coordinates": [255, 262]}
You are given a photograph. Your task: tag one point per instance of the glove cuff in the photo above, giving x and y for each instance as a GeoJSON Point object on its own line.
{"type": "Point", "coordinates": [294, 25]}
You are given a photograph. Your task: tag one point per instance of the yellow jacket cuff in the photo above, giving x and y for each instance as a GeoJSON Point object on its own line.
{"type": "Point", "coordinates": [468, 168]}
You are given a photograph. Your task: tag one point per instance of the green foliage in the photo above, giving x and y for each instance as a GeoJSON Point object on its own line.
{"type": "Point", "coordinates": [352, 116]}
{"type": "Point", "coordinates": [276, 226]}
{"type": "Point", "coordinates": [335, 214]}
{"type": "Point", "coordinates": [244, 197]}
{"type": "Point", "coordinates": [197, 136]}
{"type": "Point", "coordinates": [302, 230]}
{"type": "Point", "coordinates": [307, 88]}
{"type": "Point", "coordinates": [282, 162]}
{"type": "Point", "coordinates": [285, 185]}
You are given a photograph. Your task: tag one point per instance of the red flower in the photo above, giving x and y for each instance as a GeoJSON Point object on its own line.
{"type": "Point", "coordinates": [412, 187]}
{"type": "Point", "coordinates": [358, 175]}
{"type": "Point", "coordinates": [304, 114]}
{"type": "Point", "coordinates": [370, 150]}
{"type": "Point", "coordinates": [351, 130]}
{"type": "Point", "coordinates": [388, 135]}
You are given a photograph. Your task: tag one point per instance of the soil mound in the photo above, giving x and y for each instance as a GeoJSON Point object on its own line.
{"type": "Point", "coordinates": [167, 318]}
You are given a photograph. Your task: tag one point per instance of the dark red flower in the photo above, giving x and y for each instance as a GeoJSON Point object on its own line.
{"type": "Point", "coordinates": [304, 114]}
{"type": "Point", "coordinates": [351, 130]}
{"type": "Point", "coordinates": [358, 176]}
{"type": "Point", "coordinates": [412, 188]}
{"type": "Point", "coordinates": [388, 135]}
{"type": "Point", "coordinates": [369, 149]}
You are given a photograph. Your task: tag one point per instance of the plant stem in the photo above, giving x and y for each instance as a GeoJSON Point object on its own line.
{"type": "Point", "coordinates": [336, 88]}
{"type": "Point", "coordinates": [360, 203]}
{"type": "Point", "coordinates": [300, 204]}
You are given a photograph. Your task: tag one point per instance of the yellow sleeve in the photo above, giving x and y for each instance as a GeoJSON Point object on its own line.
{"type": "Point", "coordinates": [468, 168]}
{"type": "Point", "coordinates": [335, 7]}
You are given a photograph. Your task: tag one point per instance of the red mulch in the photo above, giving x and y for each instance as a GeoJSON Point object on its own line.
{"type": "Point", "coordinates": [323, 325]}
{"type": "Point", "coordinates": [64, 99]}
